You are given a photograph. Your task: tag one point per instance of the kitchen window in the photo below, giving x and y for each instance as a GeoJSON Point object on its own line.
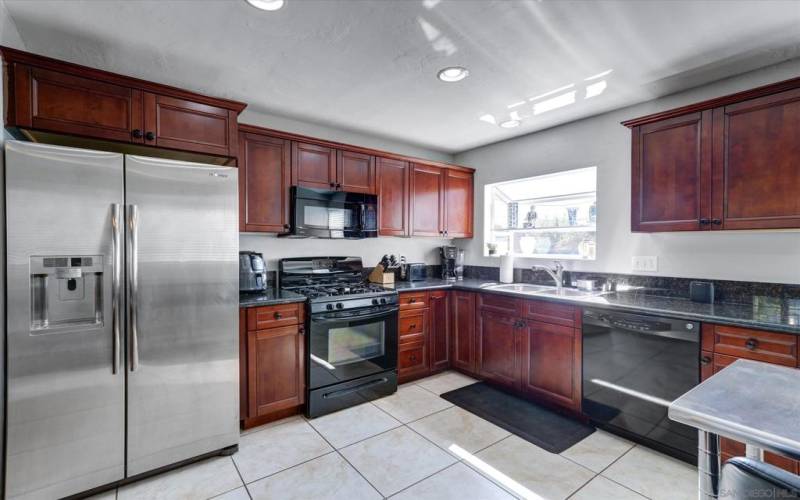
{"type": "Point", "coordinates": [547, 216]}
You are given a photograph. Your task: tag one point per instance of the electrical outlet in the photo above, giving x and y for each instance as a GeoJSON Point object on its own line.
{"type": "Point", "coordinates": [644, 263]}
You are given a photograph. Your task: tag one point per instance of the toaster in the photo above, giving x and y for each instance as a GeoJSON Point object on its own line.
{"type": "Point", "coordinates": [416, 271]}
{"type": "Point", "coordinates": [252, 272]}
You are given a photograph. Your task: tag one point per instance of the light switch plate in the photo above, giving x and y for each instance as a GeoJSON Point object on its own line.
{"type": "Point", "coordinates": [644, 263]}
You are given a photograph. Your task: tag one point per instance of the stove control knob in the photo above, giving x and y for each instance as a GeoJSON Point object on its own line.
{"type": "Point", "coordinates": [329, 307]}
{"type": "Point", "coordinates": [339, 305]}
{"type": "Point", "coordinates": [383, 301]}
{"type": "Point", "coordinates": [375, 302]}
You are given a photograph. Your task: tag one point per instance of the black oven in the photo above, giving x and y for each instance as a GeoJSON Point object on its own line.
{"type": "Point", "coordinates": [333, 214]}
{"type": "Point", "coordinates": [352, 357]}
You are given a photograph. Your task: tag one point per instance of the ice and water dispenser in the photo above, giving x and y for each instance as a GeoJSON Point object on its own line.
{"type": "Point", "coordinates": [66, 292]}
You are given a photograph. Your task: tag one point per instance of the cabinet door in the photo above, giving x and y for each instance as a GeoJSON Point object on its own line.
{"type": "Point", "coordinates": [190, 126]}
{"type": "Point", "coordinates": [313, 166]}
{"type": "Point", "coordinates": [463, 331]}
{"type": "Point", "coordinates": [427, 200]}
{"type": "Point", "coordinates": [393, 197]}
{"type": "Point", "coordinates": [458, 204]}
{"type": "Point", "coordinates": [550, 359]}
{"type": "Point", "coordinates": [60, 102]}
{"type": "Point", "coordinates": [439, 329]}
{"type": "Point", "coordinates": [264, 178]}
{"type": "Point", "coordinates": [355, 172]}
{"type": "Point", "coordinates": [276, 369]}
{"type": "Point", "coordinates": [756, 158]}
{"type": "Point", "coordinates": [498, 335]}
{"type": "Point", "coordinates": [671, 176]}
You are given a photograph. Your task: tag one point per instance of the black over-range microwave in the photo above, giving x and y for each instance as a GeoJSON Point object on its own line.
{"type": "Point", "coordinates": [332, 214]}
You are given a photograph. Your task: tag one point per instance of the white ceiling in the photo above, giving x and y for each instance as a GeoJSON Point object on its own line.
{"type": "Point", "coordinates": [370, 65]}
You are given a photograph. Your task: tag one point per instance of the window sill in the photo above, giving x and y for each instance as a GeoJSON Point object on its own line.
{"type": "Point", "coordinates": [545, 257]}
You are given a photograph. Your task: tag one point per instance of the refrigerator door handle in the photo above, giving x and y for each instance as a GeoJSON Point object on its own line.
{"type": "Point", "coordinates": [116, 274]}
{"type": "Point", "coordinates": [133, 282]}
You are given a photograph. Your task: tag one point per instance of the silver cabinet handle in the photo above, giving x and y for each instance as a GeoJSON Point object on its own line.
{"type": "Point", "coordinates": [133, 283]}
{"type": "Point", "coordinates": [116, 273]}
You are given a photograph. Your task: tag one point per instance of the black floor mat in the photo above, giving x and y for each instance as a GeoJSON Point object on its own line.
{"type": "Point", "coordinates": [530, 421]}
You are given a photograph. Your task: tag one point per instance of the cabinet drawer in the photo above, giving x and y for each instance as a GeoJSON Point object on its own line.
{"type": "Point", "coordinates": [777, 348]}
{"type": "Point", "coordinates": [498, 303]}
{"type": "Point", "coordinates": [259, 318]}
{"type": "Point", "coordinates": [550, 312]}
{"type": "Point", "coordinates": [412, 359]}
{"type": "Point", "coordinates": [412, 324]}
{"type": "Point", "coordinates": [413, 300]}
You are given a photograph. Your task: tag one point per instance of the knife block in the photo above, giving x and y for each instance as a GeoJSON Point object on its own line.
{"type": "Point", "coordinates": [380, 276]}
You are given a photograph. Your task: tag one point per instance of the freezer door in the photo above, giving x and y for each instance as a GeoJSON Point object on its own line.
{"type": "Point", "coordinates": [183, 244]}
{"type": "Point", "coordinates": [66, 395]}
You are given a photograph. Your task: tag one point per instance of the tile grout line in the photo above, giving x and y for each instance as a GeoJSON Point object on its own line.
{"type": "Point", "coordinates": [336, 450]}
{"type": "Point", "coordinates": [240, 478]}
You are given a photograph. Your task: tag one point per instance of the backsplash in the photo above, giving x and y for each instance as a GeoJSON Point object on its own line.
{"type": "Point", "coordinates": [741, 292]}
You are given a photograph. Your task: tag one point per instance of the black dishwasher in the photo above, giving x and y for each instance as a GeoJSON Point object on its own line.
{"type": "Point", "coordinates": [634, 366]}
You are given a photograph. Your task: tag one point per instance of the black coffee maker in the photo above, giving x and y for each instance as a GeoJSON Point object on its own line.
{"type": "Point", "coordinates": [452, 260]}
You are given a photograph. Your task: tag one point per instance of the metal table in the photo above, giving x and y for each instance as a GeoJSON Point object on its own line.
{"type": "Point", "coordinates": [756, 403]}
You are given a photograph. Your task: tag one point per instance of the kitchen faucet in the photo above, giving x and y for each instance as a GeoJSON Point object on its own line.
{"type": "Point", "coordinates": [556, 273]}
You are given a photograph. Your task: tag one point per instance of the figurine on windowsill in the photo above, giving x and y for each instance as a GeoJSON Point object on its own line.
{"type": "Point", "coordinates": [530, 218]}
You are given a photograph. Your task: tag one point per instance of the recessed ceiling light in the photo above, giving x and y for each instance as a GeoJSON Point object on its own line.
{"type": "Point", "coordinates": [452, 74]}
{"type": "Point", "coordinates": [510, 123]}
{"type": "Point", "coordinates": [266, 4]}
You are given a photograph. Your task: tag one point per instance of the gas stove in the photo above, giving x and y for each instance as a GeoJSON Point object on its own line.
{"type": "Point", "coordinates": [351, 341]}
{"type": "Point", "coordinates": [333, 283]}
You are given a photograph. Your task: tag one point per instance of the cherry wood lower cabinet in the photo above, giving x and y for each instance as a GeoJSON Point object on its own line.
{"type": "Point", "coordinates": [498, 347]}
{"type": "Point", "coordinates": [439, 323]}
{"type": "Point", "coordinates": [722, 345]}
{"type": "Point", "coordinates": [272, 362]}
{"type": "Point", "coordinates": [540, 358]}
{"type": "Point", "coordinates": [424, 334]}
{"type": "Point", "coordinates": [550, 359]}
{"type": "Point", "coordinates": [462, 335]}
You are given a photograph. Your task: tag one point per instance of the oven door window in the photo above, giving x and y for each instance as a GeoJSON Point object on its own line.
{"type": "Point", "coordinates": [351, 344]}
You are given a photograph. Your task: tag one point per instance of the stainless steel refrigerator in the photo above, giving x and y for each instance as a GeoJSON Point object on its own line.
{"type": "Point", "coordinates": [122, 320]}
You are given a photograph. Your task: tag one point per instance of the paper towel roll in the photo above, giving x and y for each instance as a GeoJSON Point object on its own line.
{"type": "Point", "coordinates": [506, 268]}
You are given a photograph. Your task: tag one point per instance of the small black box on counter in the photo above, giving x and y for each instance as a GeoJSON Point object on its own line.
{"type": "Point", "coordinates": [701, 291]}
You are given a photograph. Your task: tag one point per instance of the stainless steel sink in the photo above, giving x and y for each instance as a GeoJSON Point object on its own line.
{"type": "Point", "coordinates": [520, 288]}
{"type": "Point", "coordinates": [541, 290]}
{"type": "Point", "coordinates": [568, 292]}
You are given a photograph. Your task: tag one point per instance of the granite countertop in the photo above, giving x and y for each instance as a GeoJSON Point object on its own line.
{"type": "Point", "coordinates": [269, 297]}
{"type": "Point", "coordinates": [768, 313]}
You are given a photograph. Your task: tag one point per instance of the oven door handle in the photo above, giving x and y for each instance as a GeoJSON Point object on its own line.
{"type": "Point", "coordinates": [330, 318]}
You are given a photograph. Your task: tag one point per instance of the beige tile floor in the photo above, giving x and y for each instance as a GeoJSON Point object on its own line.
{"type": "Point", "coordinates": [416, 445]}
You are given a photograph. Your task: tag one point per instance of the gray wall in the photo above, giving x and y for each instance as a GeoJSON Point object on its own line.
{"type": "Point", "coordinates": [772, 256]}
{"type": "Point", "coordinates": [371, 250]}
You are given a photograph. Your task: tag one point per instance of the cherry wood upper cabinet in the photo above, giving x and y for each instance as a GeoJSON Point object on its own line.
{"type": "Point", "coordinates": [355, 172]}
{"type": "Point", "coordinates": [47, 95]}
{"type": "Point", "coordinates": [459, 195]}
{"type": "Point", "coordinates": [393, 197]}
{"type": "Point", "coordinates": [757, 162]}
{"type": "Point", "coordinates": [726, 163]}
{"type": "Point", "coordinates": [463, 331]}
{"type": "Point", "coordinates": [264, 179]}
{"type": "Point", "coordinates": [313, 166]}
{"type": "Point", "coordinates": [439, 329]}
{"type": "Point", "coordinates": [69, 104]}
{"type": "Point", "coordinates": [183, 124]}
{"type": "Point", "coordinates": [671, 174]}
{"type": "Point", "coordinates": [427, 200]}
